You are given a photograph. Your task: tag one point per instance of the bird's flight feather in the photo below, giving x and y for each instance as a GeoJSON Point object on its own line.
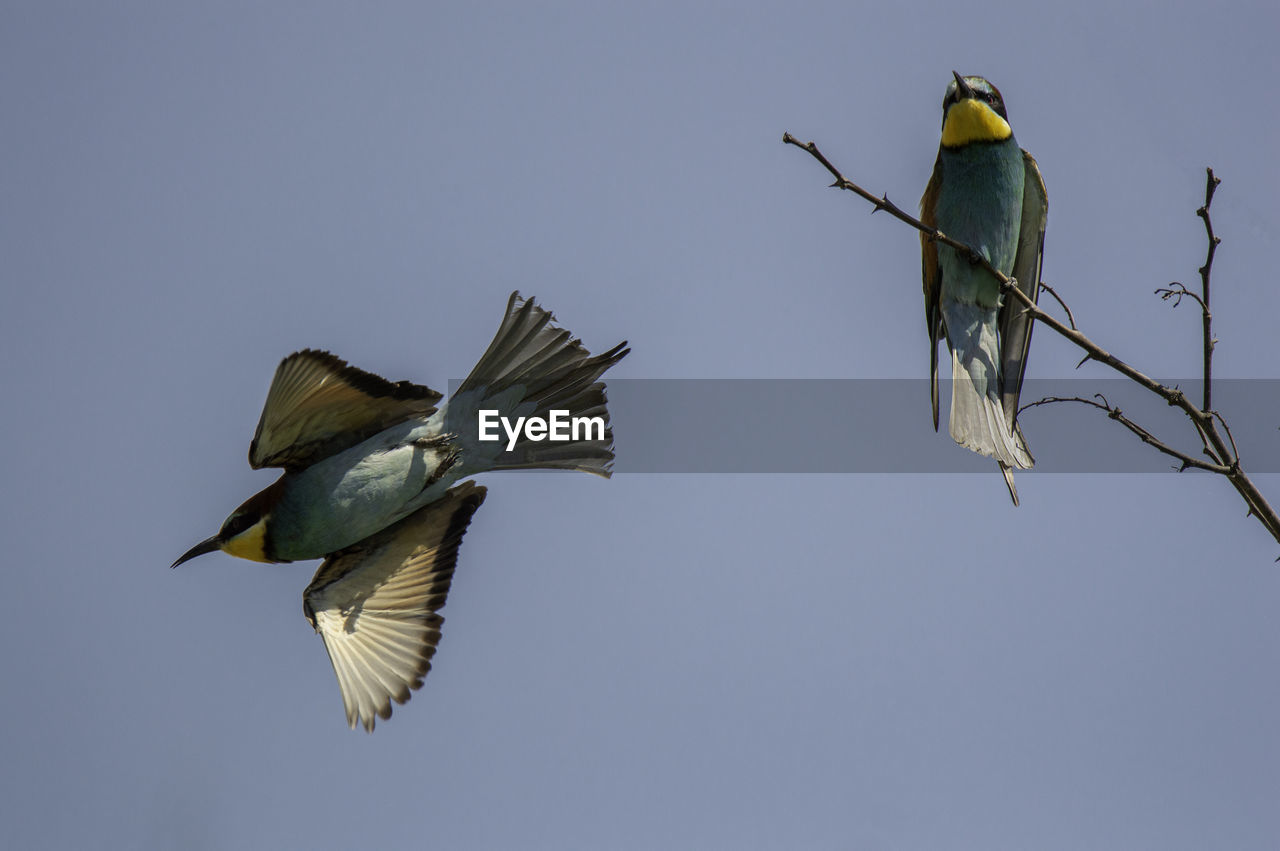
{"type": "Point", "coordinates": [1015, 324]}
{"type": "Point", "coordinates": [318, 406]}
{"type": "Point", "coordinates": [375, 604]}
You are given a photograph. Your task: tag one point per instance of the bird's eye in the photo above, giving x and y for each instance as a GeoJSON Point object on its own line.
{"type": "Point", "coordinates": [235, 525]}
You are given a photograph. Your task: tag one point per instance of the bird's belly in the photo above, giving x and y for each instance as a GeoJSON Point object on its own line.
{"type": "Point", "coordinates": [345, 499]}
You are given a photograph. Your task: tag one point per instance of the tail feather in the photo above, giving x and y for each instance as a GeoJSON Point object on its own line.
{"type": "Point", "coordinates": [1008, 481]}
{"type": "Point", "coordinates": [532, 368]}
{"type": "Point", "coordinates": [977, 416]}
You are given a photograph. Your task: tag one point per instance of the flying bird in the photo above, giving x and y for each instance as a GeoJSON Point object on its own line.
{"type": "Point", "coordinates": [986, 192]}
{"type": "Point", "coordinates": [368, 485]}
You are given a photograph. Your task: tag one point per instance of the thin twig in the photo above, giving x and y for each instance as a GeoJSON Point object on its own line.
{"type": "Point", "coordinates": [1235, 453]}
{"type": "Point", "coordinates": [1203, 418]}
{"type": "Point", "coordinates": [1070, 318]}
{"type": "Point", "coordinates": [1176, 291]}
{"type": "Point", "coordinates": [1146, 436]}
{"type": "Point", "coordinates": [882, 203]}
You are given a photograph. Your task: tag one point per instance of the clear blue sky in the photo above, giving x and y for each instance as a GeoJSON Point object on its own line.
{"type": "Point", "coordinates": [192, 191]}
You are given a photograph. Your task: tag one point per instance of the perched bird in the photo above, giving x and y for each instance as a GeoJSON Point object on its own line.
{"type": "Point", "coordinates": [368, 468]}
{"type": "Point", "coordinates": [985, 192]}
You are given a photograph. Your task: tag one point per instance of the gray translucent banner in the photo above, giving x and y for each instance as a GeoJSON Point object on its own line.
{"type": "Point", "coordinates": [885, 426]}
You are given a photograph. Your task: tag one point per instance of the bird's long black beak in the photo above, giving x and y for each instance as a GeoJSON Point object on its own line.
{"type": "Point", "coordinates": [208, 545]}
{"type": "Point", "coordinates": [966, 91]}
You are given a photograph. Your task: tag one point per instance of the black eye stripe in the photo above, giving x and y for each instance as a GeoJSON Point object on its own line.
{"type": "Point", "coordinates": [236, 525]}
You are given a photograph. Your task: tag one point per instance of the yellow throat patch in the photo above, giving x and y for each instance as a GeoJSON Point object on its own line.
{"type": "Point", "coordinates": [973, 121]}
{"type": "Point", "coordinates": [250, 544]}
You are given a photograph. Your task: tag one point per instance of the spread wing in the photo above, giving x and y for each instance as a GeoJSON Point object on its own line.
{"type": "Point", "coordinates": [932, 281]}
{"type": "Point", "coordinates": [1015, 325]}
{"type": "Point", "coordinates": [375, 604]}
{"type": "Point", "coordinates": [319, 406]}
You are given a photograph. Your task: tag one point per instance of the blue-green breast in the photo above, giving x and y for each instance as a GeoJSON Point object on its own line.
{"type": "Point", "coordinates": [980, 203]}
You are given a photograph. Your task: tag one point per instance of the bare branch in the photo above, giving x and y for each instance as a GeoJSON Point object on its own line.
{"type": "Point", "coordinates": [1007, 285]}
{"type": "Point", "coordinates": [1225, 457]}
{"type": "Point", "coordinates": [883, 203]}
{"type": "Point", "coordinates": [1211, 186]}
{"type": "Point", "coordinates": [1146, 436]}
